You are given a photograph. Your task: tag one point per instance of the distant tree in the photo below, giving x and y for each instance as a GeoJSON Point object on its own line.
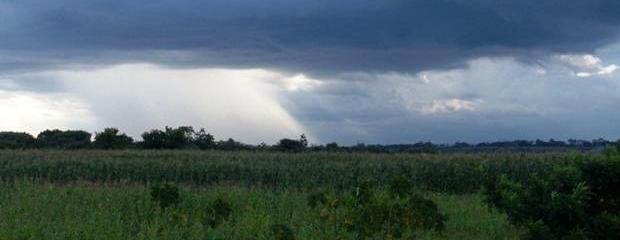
{"type": "Point", "coordinates": [16, 140]}
{"type": "Point", "coordinates": [540, 143]}
{"type": "Point", "coordinates": [70, 139]}
{"type": "Point", "coordinates": [292, 145]}
{"type": "Point", "coordinates": [170, 138]}
{"type": "Point", "coordinates": [178, 138]}
{"type": "Point", "coordinates": [154, 139]}
{"type": "Point", "coordinates": [263, 146]}
{"type": "Point", "coordinates": [230, 145]}
{"type": "Point", "coordinates": [303, 140]}
{"type": "Point", "coordinates": [203, 140]}
{"type": "Point", "coordinates": [111, 139]}
{"type": "Point", "coordinates": [331, 146]}
{"type": "Point", "coordinates": [462, 145]}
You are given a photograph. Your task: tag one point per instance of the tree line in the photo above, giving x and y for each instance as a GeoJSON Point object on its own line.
{"type": "Point", "coordinates": [186, 137]}
{"type": "Point", "coordinates": [183, 137]}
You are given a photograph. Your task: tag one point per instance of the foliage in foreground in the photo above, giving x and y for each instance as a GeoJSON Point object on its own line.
{"type": "Point", "coordinates": [282, 232]}
{"type": "Point", "coordinates": [165, 195]}
{"type": "Point", "coordinates": [91, 211]}
{"type": "Point", "coordinates": [369, 215]}
{"type": "Point", "coordinates": [577, 201]}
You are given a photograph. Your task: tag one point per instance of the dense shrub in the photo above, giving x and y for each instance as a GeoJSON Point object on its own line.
{"type": "Point", "coordinates": [165, 195]}
{"type": "Point", "coordinates": [111, 139]}
{"type": "Point", "coordinates": [282, 232]}
{"type": "Point", "coordinates": [369, 215]}
{"type": "Point", "coordinates": [16, 140]}
{"type": "Point", "coordinates": [217, 212]}
{"type": "Point", "coordinates": [578, 201]}
{"type": "Point", "coordinates": [70, 139]}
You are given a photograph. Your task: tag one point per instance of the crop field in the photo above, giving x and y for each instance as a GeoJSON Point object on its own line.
{"type": "Point", "coordinates": [453, 173]}
{"type": "Point", "coordinates": [261, 195]}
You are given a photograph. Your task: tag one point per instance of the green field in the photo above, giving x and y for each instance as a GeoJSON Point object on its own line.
{"type": "Point", "coordinates": [92, 211]}
{"type": "Point", "coordinates": [105, 194]}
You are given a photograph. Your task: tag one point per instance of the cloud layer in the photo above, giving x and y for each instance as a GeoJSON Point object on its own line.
{"type": "Point", "coordinates": [312, 36]}
{"type": "Point", "coordinates": [388, 71]}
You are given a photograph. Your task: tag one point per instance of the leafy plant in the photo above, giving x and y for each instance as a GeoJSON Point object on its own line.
{"type": "Point", "coordinates": [579, 201]}
{"type": "Point", "coordinates": [400, 187]}
{"type": "Point", "coordinates": [282, 232]}
{"type": "Point", "coordinates": [317, 199]}
{"type": "Point", "coordinates": [217, 212]}
{"type": "Point", "coordinates": [370, 215]}
{"type": "Point", "coordinates": [165, 195]}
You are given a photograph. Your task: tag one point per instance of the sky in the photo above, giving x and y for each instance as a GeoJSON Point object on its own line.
{"type": "Point", "coordinates": [356, 71]}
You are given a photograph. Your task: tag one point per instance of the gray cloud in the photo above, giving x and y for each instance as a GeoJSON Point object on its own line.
{"type": "Point", "coordinates": [314, 36]}
{"type": "Point", "coordinates": [490, 99]}
{"type": "Point", "coordinates": [390, 71]}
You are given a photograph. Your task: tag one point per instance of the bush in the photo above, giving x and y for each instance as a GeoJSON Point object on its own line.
{"type": "Point", "coordinates": [282, 232]}
{"type": "Point", "coordinates": [16, 140]}
{"type": "Point", "coordinates": [165, 195]}
{"type": "Point", "coordinates": [579, 201]}
{"type": "Point", "coordinates": [217, 212]}
{"type": "Point", "coordinates": [111, 139]}
{"type": "Point", "coordinates": [70, 139]}
{"type": "Point", "coordinates": [369, 215]}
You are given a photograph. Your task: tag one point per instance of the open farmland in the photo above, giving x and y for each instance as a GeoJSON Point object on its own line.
{"type": "Point", "coordinates": [84, 194]}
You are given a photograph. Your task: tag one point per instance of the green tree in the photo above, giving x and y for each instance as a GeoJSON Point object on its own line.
{"type": "Point", "coordinates": [70, 139]}
{"type": "Point", "coordinates": [170, 138]}
{"type": "Point", "coordinates": [154, 139]}
{"type": "Point", "coordinates": [292, 145]}
{"type": "Point", "coordinates": [16, 140]}
{"type": "Point", "coordinates": [203, 140]}
{"type": "Point", "coordinates": [111, 139]}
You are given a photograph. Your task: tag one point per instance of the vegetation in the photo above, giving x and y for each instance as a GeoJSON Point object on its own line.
{"type": "Point", "coordinates": [291, 145]}
{"type": "Point", "coordinates": [454, 173]}
{"type": "Point", "coordinates": [63, 139]}
{"type": "Point", "coordinates": [228, 190]}
{"type": "Point", "coordinates": [110, 138]}
{"type": "Point", "coordinates": [165, 195]}
{"type": "Point", "coordinates": [368, 215]}
{"type": "Point", "coordinates": [97, 211]}
{"type": "Point", "coordinates": [576, 201]}
{"type": "Point", "coordinates": [16, 140]}
{"type": "Point", "coordinates": [185, 137]}
{"type": "Point", "coordinates": [282, 232]}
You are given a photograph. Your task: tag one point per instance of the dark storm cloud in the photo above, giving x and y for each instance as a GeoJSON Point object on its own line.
{"type": "Point", "coordinates": [316, 36]}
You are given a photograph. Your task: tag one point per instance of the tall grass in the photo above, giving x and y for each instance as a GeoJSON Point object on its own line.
{"type": "Point", "coordinates": [96, 211]}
